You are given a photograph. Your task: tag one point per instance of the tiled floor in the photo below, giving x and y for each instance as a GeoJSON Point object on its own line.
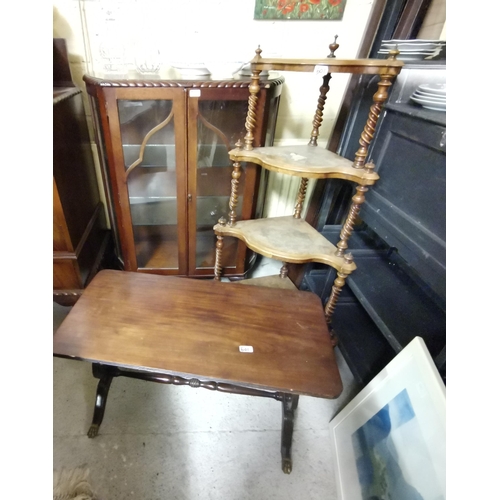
{"type": "Point", "coordinates": [164, 442]}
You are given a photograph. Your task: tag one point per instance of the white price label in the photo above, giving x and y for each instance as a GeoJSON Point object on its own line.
{"type": "Point", "coordinates": [195, 93]}
{"type": "Point", "coordinates": [320, 70]}
{"type": "Point", "coordinates": [246, 348]}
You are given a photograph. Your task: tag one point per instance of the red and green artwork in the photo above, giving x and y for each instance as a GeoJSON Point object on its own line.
{"type": "Point", "coordinates": [300, 9]}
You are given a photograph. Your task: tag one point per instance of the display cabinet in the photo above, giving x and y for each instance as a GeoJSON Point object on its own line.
{"type": "Point", "coordinates": [164, 147]}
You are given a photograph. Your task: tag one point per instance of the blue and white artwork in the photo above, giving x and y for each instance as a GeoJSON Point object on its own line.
{"type": "Point", "coordinates": [391, 457]}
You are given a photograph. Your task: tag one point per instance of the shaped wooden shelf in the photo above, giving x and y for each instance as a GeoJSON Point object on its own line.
{"type": "Point", "coordinates": [305, 161]}
{"type": "Point", "coordinates": [287, 239]}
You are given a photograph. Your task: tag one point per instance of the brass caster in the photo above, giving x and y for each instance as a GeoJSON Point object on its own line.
{"type": "Point", "coordinates": [286, 465]}
{"type": "Point", "coordinates": [94, 429]}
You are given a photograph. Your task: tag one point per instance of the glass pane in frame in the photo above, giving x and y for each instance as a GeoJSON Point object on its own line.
{"type": "Point", "coordinates": [220, 125]}
{"type": "Point", "coordinates": [148, 142]}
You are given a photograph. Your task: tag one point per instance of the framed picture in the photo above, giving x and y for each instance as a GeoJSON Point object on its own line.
{"type": "Point", "coordinates": [390, 440]}
{"type": "Point", "coordinates": [300, 9]}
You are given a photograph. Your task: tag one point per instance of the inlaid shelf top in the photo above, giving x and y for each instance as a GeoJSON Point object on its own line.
{"type": "Point", "coordinates": [366, 66]}
{"type": "Point", "coordinates": [287, 239]}
{"type": "Point", "coordinates": [305, 161]}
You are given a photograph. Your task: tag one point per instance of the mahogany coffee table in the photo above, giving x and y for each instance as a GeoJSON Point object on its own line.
{"type": "Point", "coordinates": [250, 340]}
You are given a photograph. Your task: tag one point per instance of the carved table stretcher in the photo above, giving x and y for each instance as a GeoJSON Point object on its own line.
{"type": "Point", "coordinates": [240, 339]}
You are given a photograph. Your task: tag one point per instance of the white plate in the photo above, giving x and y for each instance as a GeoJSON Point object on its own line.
{"type": "Point", "coordinates": [418, 51]}
{"type": "Point", "coordinates": [247, 71]}
{"type": "Point", "coordinates": [407, 47]}
{"type": "Point", "coordinates": [437, 97]}
{"type": "Point", "coordinates": [436, 106]}
{"type": "Point", "coordinates": [411, 57]}
{"type": "Point", "coordinates": [435, 88]}
{"type": "Point", "coordinates": [416, 40]}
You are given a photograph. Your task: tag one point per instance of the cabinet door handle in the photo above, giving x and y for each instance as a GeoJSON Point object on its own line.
{"type": "Point", "coordinates": [190, 197]}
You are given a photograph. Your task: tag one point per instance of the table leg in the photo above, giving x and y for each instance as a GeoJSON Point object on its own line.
{"type": "Point", "coordinates": [105, 375]}
{"type": "Point", "coordinates": [289, 404]}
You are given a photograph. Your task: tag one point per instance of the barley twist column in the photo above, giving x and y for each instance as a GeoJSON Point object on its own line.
{"type": "Point", "coordinates": [300, 197]}
{"type": "Point", "coordinates": [357, 200]}
{"type": "Point", "coordinates": [233, 200]}
{"type": "Point", "coordinates": [367, 135]}
{"type": "Point", "coordinates": [251, 118]}
{"type": "Point", "coordinates": [336, 289]}
{"type": "Point", "coordinates": [218, 252]}
{"type": "Point", "coordinates": [318, 117]}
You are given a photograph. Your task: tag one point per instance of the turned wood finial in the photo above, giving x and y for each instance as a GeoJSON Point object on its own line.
{"type": "Point", "coordinates": [370, 167]}
{"type": "Point", "coordinates": [239, 144]}
{"type": "Point", "coordinates": [373, 115]}
{"type": "Point", "coordinates": [222, 221]}
{"type": "Point", "coordinates": [258, 52]}
{"type": "Point", "coordinates": [333, 47]}
{"type": "Point", "coordinates": [284, 270]}
{"type": "Point", "coordinates": [393, 53]}
{"type": "Point", "coordinates": [348, 258]}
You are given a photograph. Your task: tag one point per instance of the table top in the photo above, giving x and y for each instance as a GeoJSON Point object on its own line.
{"type": "Point", "coordinates": [196, 328]}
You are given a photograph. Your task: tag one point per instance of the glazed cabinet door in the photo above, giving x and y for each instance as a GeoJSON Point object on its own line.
{"type": "Point", "coordinates": [148, 176]}
{"type": "Point", "coordinates": [164, 147]}
{"type": "Point", "coordinates": [216, 120]}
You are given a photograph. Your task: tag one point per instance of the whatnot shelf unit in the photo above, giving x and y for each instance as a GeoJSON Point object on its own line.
{"type": "Point", "coordinates": [291, 239]}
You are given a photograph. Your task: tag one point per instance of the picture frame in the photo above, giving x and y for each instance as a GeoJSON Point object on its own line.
{"type": "Point", "coordinates": [312, 10]}
{"type": "Point", "coordinates": [390, 440]}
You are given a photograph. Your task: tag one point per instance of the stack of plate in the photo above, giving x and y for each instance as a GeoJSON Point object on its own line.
{"type": "Point", "coordinates": [431, 96]}
{"type": "Point", "coordinates": [413, 50]}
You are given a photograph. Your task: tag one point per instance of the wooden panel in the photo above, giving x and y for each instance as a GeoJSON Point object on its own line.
{"type": "Point", "coordinates": [73, 165]}
{"type": "Point", "coordinates": [407, 207]}
{"type": "Point", "coordinates": [60, 234]}
{"type": "Point", "coordinates": [79, 226]}
{"type": "Point", "coordinates": [66, 274]}
{"type": "Point", "coordinates": [61, 73]}
{"type": "Point", "coordinates": [195, 328]}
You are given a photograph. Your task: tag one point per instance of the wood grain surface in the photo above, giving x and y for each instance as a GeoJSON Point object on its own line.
{"type": "Point", "coordinates": [195, 328]}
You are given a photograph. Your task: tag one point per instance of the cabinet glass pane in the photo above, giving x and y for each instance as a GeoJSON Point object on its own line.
{"type": "Point", "coordinates": [220, 125]}
{"type": "Point", "coordinates": [148, 142]}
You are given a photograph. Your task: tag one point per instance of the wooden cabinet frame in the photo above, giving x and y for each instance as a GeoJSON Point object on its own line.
{"type": "Point", "coordinates": [186, 97]}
